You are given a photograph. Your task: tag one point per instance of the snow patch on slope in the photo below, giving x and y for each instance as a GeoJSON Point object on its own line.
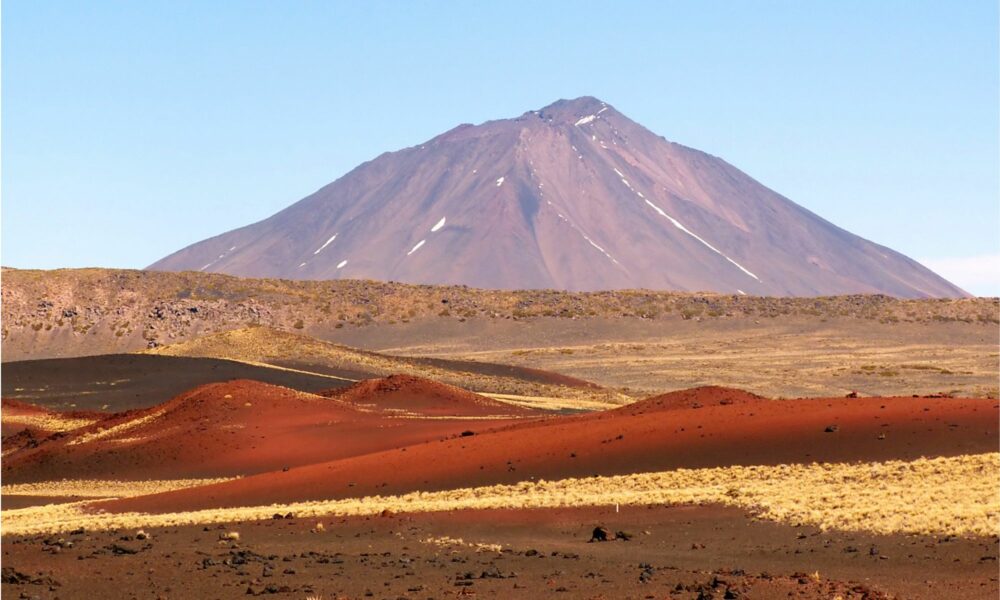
{"type": "Point", "coordinates": [325, 244]}
{"type": "Point", "coordinates": [585, 236]}
{"type": "Point", "coordinates": [439, 224]}
{"type": "Point", "coordinates": [681, 226]}
{"type": "Point", "coordinates": [603, 251]}
{"type": "Point", "coordinates": [221, 256]}
{"type": "Point", "coordinates": [417, 247]}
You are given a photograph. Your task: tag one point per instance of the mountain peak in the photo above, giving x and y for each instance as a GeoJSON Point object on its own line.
{"type": "Point", "coordinates": [582, 102]}
{"type": "Point", "coordinates": [573, 110]}
{"type": "Point", "coordinates": [573, 196]}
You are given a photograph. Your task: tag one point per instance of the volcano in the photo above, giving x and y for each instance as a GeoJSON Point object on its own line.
{"type": "Point", "coordinates": [574, 196]}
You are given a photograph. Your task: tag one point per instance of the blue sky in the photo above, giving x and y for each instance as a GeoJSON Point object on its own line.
{"type": "Point", "coordinates": [131, 129]}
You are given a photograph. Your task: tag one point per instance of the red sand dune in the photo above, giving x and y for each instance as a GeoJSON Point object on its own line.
{"type": "Point", "coordinates": [693, 398]}
{"type": "Point", "coordinates": [244, 427]}
{"type": "Point", "coordinates": [705, 427]}
{"type": "Point", "coordinates": [422, 397]}
{"type": "Point", "coordinates": [15, 408]}
{"type": "Point", "coordinates": [26, 426]}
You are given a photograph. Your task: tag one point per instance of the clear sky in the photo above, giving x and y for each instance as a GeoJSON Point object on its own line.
{"type": "Point", "coordinates": [131, 129]}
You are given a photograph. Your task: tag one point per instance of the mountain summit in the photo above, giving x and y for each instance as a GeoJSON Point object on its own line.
{"type": "Point", "coordinates": [574, 196]}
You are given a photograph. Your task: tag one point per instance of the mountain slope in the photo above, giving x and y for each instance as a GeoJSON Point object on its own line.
{"type": "Point", "coordinates": [574, 196]}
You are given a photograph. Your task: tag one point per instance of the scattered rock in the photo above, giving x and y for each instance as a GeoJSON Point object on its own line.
{"type": "Point", "coordinates": [492, 572]}
{"type": "Point", "coordinates": [11, 575]}
{"type": "Point", "coordinates": [600, 534]}
{"type": "Point", "coordinates": [120, 550]}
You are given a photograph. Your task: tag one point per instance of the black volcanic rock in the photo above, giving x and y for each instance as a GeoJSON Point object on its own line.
{"type": "Point", "coordinates": [574, 196]}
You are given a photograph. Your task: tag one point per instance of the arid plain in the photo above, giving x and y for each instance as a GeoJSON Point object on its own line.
{"type": "Point", "coordinates": [196, 435]}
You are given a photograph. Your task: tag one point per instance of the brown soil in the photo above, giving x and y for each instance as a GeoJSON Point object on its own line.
{"type": "Point", "coordinates": [675, 552]}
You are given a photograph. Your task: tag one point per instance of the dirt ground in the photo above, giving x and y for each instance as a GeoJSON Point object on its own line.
{"type": "Point", "coordinates": [781, 349]}
{"type": "Point", "coordinates": [674, 552]}
{"type": "Point", "coordinates": [115, 382]}
{"type": "Point", "coordinates": [786, 357]}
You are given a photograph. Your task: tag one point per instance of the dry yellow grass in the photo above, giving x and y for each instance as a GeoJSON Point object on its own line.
{"type": "Point", "coordinates": [102, 488]}
{"type": "Point", "coordinates": [265, 347]}
{"type": "Point", "coordinates": [114, 431]}
{"type": "Point", "coordinates": [407, 415]}
{"type": "Point", "coordinates": [450, 542]}
{"type": "Point", "coordinates": [553, 403]}
{"type": "Point", "coordinates": [786, 357]}
{"type": "Point", "coordinates": [952, 495]}
{"type": "Point", "coordinates": [52, 422]}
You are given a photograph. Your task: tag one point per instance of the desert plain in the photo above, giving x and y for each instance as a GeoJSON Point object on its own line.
{"type": "Point", "coordinates": [202, 436]}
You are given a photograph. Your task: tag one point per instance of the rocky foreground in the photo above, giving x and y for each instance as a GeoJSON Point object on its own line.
{"type": "Point", "coordinates": [682, 552]}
